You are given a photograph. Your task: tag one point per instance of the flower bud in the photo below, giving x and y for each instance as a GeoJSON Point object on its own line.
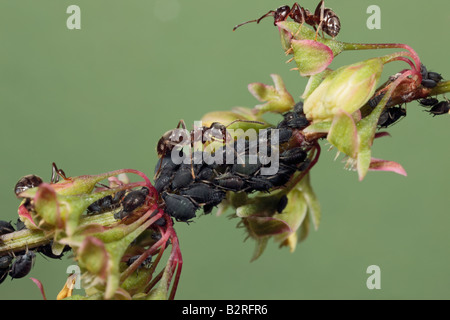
{"type": "Point", "coordinates": [347, 88]}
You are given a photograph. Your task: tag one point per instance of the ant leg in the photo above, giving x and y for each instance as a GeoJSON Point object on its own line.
{"type": "Point", "coordinates": [56, 173]}
{"type": "Point", "coordinates": [300, 9]}
{"type": "Point", "coordinates": [320, 6]}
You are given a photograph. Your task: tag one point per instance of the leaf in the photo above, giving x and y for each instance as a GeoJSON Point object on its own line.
{"type": "Point", "coordinates": [384, 165]}
{"type": "Point", "coordinates": [314, 210]}
{"type": "Point", "coordinates": [303, 32]}
{"type": "Point", "coordinates": [40, 286]}
{"type": "Point", "coordinates": [277, 98]}
{"type": "Point", "coordinates": [311, 57]}
{"type": "Point", "coordinates": [93, 256]}
{"type": "Point", "coordinates": [261, 244]}
{"type": "Point", "coordinates": [266, 226]}
{"type": "Point", "coordinates": [343, 134]}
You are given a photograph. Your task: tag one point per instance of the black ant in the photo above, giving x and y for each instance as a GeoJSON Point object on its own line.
{"type": "Point", "coordinates": [181, 137]}
{"type": "Point", "coordinates": [324, 18]}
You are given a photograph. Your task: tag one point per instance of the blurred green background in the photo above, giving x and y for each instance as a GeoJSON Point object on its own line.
{"type": "Point", "coordinates": [99, 98]}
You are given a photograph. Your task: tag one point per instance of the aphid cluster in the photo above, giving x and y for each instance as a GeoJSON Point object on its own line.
{"type": "Point", "coordinates": [189, 186]}
{"type": "Point", "coordinates": [429, 79]}
{"type": "Point", "coordinates": [323, 18]}
{"type": "Point", "coordinates": [19, 264]}
{"type": "Point", "coordinates": [394, 111]}
{"type": "Point", "coordinates": [436, 107]}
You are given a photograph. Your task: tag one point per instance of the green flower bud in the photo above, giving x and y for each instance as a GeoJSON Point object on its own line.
{"type": "Point", "coordinates": [347, 88]}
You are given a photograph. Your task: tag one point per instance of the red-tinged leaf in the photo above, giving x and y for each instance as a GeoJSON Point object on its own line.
{"type": "Point", "coordinates": [384, 165]}
{"type": "Point", "coordinates": [311, 56]}
{"type": "Point", "coordinates": [382, 134]}
{"type": "Point", "coordinates": [24, 213]}
{"type": "Point", "coordinates": [93, 255]}
{"type": "Point", "coordinates": [47, 206]}
{"type": "Point", "coordinates": [40, 286]}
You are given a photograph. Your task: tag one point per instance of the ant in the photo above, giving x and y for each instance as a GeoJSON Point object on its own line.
{"type": "Point", "coordinates": [181, 137]}
{"type": "Point", "coordinates": [324, 18]}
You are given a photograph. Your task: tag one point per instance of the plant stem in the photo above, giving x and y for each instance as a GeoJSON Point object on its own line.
{"type": "Point", "coordinates": [28, 238]}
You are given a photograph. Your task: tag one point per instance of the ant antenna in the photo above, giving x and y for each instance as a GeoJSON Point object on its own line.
{"type": "Point", "coordinates": [270, 13]}
{"type": "Point", "coordinates": [242, 120]}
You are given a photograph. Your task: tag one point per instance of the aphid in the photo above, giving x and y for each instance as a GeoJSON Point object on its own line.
{"type": "Point", "coordinates": [391, 115]}
{"type": "Point", "coordinates": [46, 250]}
{"type": "Point", "coordinates": [146, 263]}
{"type": "Point", "coordinates": [293, 156]}
{"type": "Point", "coordinates": [429, 83]}
{"type": "Point", "coordinates": [204, 194]}
{"type": "Point", "coordinates": [442, 107]}
{"type": "Point", "coordinates": [163, 182]}
{"type": "Point", "coordinates": [206, 174]}
{"type": "Point", "coordinates": [179, 207]}
{"type": "Point", "coordinates": [436, 77]}
{"type": "Point", "coordinates": [22, 265]}
{"type": "Point", "coordinates": [428, 102]}
{"type": "Point", "coordinates": [132, 201]}
{"type": "Point", "coordinates": [259, 183]}
{"type": "Point", "coordinates": [323, 18]}
{"type": "Point", "coordinates": [5, 261]}
{"type": "Point", "coordinates": [27, 182]}
{"type": "Point", "coordinates": [283, 175]}
{"type": "Point", "coordinates": [246, 168]}
{"type": "Point", "coordinates": [282, 203]}
{"type": "Point", "coordinates": [6, 227]}
{"type": "Point", "coordinates": [182, 178]}
{"type": "Point", "coordinates": [229, 181]}
{"type": "Point", "coordinates": [107, 203]}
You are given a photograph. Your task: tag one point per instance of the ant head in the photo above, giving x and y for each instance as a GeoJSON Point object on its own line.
{"type": "Point", "coordinates": [280, 14]}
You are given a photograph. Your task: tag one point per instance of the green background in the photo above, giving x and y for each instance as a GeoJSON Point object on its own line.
{"type": "Point", "coordinates": [99, 98]}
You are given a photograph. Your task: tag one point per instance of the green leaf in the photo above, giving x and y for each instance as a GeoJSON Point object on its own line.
{"type": "Point", "coordinates": [277, 98]}
{"type": "Point", "coordinates": [311, 57]}
{"type": "Point", "coordinates": [343, 134]}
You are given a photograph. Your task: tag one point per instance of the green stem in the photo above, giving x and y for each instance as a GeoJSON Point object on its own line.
{"type": "Point", "coordinates": [23, 239]}
{"type": "Point", "coordinates": [441, 88]}
{"type": "Point", "coordinates": [371, 46]}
